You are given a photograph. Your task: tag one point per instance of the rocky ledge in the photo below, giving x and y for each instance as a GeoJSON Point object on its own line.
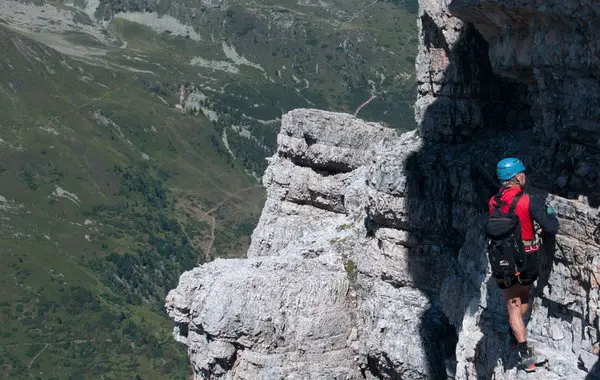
{"type": "Point", "coordinates": [326, 292]}
{"type": "Point", "coordinates": [358, 268]}
{"type": "Point", "coordinates": [369, 259]}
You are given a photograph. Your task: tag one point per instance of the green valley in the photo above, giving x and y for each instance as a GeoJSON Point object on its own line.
{"type": "Point", "coordinates": [107, 196]}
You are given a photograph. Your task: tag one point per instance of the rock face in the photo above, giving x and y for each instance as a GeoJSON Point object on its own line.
{"type": "Point", "coordinates": [327, 292]}
{"type": "Point", "coordinates": [369, 260]}
{"type": "Point", "coordinates": [522, 78]}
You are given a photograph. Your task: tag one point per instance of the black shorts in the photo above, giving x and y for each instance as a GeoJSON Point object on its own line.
{"type": "Point", "coordinates": [528, 276]}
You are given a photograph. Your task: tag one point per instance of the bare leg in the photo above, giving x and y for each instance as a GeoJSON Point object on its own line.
{"type": "Point", "coordinates": [525, 291]}
{"type": "Point", "coordinates": [512, 296]}
{"type": "Point", "coordinates": [524, 309]}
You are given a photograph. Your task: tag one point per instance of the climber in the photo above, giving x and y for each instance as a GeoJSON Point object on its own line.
{"type": "Point", "coordinates": [514, 249]}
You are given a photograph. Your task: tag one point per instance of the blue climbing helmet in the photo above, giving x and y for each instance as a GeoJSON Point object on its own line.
{"type": "Point", "coordinates": [508, 168]}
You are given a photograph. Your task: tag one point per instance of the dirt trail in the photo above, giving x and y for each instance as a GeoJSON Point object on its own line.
{"type": "Point", "coordinates": [364, 104]}
{"type": "Point", "coordinates": [209, 217]}
{"type": "Point", "coordinates": [35, 357]}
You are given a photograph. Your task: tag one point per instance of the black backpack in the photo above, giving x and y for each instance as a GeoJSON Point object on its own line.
{"type": "Point", "coordinates": [505, 248]}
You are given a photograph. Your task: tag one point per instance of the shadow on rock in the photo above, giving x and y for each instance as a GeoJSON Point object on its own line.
{"type": "Point", "coordinates": [448, 188]}
{"type": "Point", "coordinates": [469, 118]}
{"type": "Point", "coordinates": [594, 373]}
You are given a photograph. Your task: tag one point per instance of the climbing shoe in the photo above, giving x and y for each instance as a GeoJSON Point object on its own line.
{"type": "Point", "coordinates": [528, 360]}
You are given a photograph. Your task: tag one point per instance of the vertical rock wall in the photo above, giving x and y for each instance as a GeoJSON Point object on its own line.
{"type": "Point", "coordinates": [553, 47]}
{"type": "Point", "coordinates": [529, 73]}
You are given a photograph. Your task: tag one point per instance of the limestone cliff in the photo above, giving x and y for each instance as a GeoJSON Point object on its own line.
{"type": "Point", "coordinates": [369, 258]}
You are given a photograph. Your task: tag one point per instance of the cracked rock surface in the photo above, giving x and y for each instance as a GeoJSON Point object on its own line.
{"type": "Point", "coordinates": [369, 259]}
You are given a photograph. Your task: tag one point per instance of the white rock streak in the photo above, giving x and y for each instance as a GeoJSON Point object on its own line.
{"type": "Point", "coordinates": [62, 193]}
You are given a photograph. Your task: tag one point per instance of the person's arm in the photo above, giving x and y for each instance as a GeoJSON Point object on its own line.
{"type": "Point", "coordinates": [543, 215]}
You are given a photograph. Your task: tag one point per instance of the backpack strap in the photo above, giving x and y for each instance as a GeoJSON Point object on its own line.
{"type": "Point", "coordinates": [514, 202]}
{"type": "Point", "coordinates": [498, 201]}
{"type": "Point", "coordinates": [519, 256]}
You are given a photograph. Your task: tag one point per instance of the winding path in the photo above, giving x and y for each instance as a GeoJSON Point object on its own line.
{"type": "Point", "coordinates": [35, 357]}
{"type": "Point", "coordinates": [364, 104]}
{"type": "Point", "coordinates": [213, 220]}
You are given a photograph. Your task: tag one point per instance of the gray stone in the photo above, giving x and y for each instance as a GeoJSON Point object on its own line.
{"type": "Point", "coordinates": [369, 259]}
{"type": "Point", "coordinates": [356, 272]}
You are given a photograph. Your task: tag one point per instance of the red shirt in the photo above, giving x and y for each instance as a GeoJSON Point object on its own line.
{"type": "Point", "coordinates": [521, 209]}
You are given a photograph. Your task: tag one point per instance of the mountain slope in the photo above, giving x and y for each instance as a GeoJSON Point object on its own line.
{"type": "Point", "coordinates": [107, 196]}
{"type": "Point", "coordinates": [244, 63]}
